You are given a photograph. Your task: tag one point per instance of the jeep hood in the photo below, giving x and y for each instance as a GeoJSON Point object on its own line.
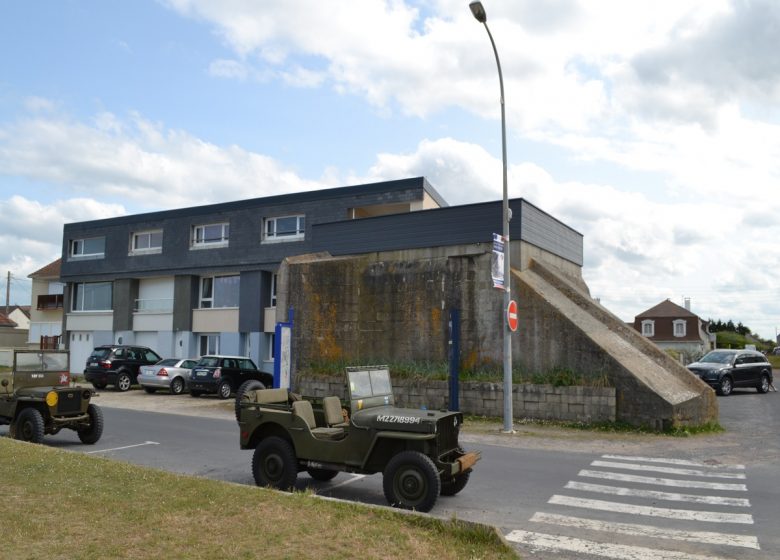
{"type": "Point", "coordinates": [402, 419]}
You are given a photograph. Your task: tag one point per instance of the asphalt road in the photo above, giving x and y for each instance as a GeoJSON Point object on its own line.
{"type": "Point", "coordinates": [563, 497]}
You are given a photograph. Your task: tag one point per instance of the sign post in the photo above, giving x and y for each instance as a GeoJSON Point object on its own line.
{"type": "Point", "coordinates": [283, 353]}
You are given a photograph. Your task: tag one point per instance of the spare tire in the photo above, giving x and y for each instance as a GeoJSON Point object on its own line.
{"type": "Point", "coordinates": [246, 386]}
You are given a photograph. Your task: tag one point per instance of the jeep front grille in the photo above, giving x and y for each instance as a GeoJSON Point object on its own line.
{"type": "Point", "coordinates": [447, 434]}
{"type": "Point", "coordinates": [69, 402]}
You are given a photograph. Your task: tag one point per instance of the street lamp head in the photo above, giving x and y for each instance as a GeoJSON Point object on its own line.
{"type": "Point", "coordinates": [479, 11]}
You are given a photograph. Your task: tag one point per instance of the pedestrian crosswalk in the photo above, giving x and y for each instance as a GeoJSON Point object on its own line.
{"type": "Point", "coordinates": [642, 508]}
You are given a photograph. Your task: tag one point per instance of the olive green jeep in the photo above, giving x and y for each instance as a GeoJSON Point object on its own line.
{"type": "Point", "coordinates": [417, 451]}
{"type": "Point", "coordinates": [36, 398]}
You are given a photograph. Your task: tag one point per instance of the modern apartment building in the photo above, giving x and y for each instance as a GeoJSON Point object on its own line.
{"type": "Point", "coordinates": [200, 280]}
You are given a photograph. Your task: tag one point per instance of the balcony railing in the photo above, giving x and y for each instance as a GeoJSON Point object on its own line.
{"type": "Point", "coordinates": [50, 301]}
{"type": "Point", "coordinates": [154, 305]}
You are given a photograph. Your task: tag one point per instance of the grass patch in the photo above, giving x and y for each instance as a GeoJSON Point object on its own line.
{"type": "Point", "coordinates": [480, 422]}
{"type": "Point", "coordinates": [63, 505]}
{"type": "Point", "coordinates": [439, 371]}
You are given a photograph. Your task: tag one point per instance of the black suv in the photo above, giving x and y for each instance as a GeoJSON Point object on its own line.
{"type": "Point", "coordinates": [724, 370]}
{"type": "Point", "coordinates": [117, 365]}
{"type": "Point", "coordinates": [223, 375]}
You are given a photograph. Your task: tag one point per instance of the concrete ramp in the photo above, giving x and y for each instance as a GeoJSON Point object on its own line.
{"type": "Point", "coordinates": [563, 327]}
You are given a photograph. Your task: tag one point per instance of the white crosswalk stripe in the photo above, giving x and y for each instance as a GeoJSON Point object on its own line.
{"type": "Point", "coordinates": [591, 532]}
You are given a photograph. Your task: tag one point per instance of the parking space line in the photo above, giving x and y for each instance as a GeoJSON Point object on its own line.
{"type": "Point", "coordinates": [121, 448]}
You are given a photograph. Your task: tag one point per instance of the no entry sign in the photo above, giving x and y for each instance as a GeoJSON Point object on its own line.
{"type": "Point", "coordinates": [511, 315]}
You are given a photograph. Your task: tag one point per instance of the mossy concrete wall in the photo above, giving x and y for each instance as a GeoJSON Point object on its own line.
{"type": "Point", "coordinates": [393, 307]}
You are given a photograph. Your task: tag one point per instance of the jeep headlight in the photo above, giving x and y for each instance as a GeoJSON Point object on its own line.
{"type": "Point", "coordinates": [52, 398]}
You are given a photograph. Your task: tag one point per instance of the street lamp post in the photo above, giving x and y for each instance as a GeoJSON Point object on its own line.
{"type": "Point", "coordinates": [479, 13]}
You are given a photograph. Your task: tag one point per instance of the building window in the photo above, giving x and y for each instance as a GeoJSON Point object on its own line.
{"type": "Point", "coordinates": [271, 347]}
{"type": "Point", "coordinates": [219, 291]}
{"type": "Point", "coordinates": [273, 290]}
{"type": "Point", "coordinates": [209, 344]}
{"type": "Point", "coordinates": [144, 242]}
{"type": "Point", "coordinates": [679, 327]}
{"type": "Point", "coordinates": [648, 328]}
{"type": "Point", "coordinates": [90, 247]}
{"type": "Point", "coordinates": [285, 228]}
{"type": "Point", "coordinates": [211, 235]}
{"type": "Point", "coordinates": [93, 296]}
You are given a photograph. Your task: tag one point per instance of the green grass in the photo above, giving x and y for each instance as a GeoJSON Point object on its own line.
{"type": "Point", "coordinates": [63, 505]}
{"type": "Point", "coordinates": [439, 371]}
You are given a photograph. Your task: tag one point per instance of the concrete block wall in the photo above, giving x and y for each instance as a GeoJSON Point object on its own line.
{"type": "Point", "coordinates": [540, 402]}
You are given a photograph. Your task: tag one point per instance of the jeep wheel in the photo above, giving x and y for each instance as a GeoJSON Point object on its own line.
{"type": "Point", "coordinates": [150, 390]}
{"type": "Point", "coordinates": [92, 433]}
{"type": "Point", "coordinates": [123, 381]}
{"type": "Point", "coordinates": [29, 426]}
{"type": "Point", "coordinates": [224, 389]}
{"type": "Point", "coordinates": [411, 481]}
{"type": "Point", "coordinates": [453, 485]}
{"type": "Point", "coordinates": [274, 464]}
{"type": "Point", "coordinates": [177, 386]}
{"type": "Point", "coordinates": [323, 475]}
{"type": "Point", "coordinates": [246, 386]}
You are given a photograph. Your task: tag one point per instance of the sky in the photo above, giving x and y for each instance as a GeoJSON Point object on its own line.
{"type": "Point", "coordinates": [651, 127]}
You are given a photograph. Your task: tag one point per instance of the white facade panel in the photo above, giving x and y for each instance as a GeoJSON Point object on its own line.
{"type": "Point", "coordinates": [215, 320]}
{"type": "Point", "coordinates": [102, 321]}
{"type": "Point", "coordinates": [152, 322]}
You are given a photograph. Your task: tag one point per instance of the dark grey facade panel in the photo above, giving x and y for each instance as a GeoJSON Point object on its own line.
{"type": "Point", "coordinates": [250, 306]}
{"type": "Point", "coordinates": [542, 230]}
{"type": "Point", "coordinates": [245, 249]}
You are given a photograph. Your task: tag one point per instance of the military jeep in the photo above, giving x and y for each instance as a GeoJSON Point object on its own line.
{"type": "Point", "coordinates": [36, 399]}
{"type": "Point", "coordinates": [417, 451]}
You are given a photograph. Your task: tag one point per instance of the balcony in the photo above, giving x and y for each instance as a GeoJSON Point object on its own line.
{"type": "Point", "coordinates": [50, 302]}
{"type": "Point", "coordinates": [163, 305]}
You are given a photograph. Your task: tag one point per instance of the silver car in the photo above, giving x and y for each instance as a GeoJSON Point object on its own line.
{"type": "Point", "coordinates": [171, 373]}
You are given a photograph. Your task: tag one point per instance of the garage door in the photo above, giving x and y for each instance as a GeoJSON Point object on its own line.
{"type": "Point", "coordinates": [81, 346]}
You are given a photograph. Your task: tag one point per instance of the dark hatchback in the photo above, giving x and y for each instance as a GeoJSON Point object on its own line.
{"type": "Point", "coordinates": [117, 365]}
{"type": "Point", "coordinates": [725, 370]}
{"type": "Point", "coordinates": [223, 375]}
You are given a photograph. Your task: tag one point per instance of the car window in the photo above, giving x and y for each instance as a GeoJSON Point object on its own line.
{"type": "Point", "coordinates": [230, 363]}
{"type": "Point", "coordinates": [208, 361]}
{"type": "Point", "coordinates": [119, 353]}
{"type": "Point", "coordinates": [717, 357]}
{"type": "Point", "coordinates": [741, 360]}
{"type": "Point", "coordinates": [188, 364]}
{"type": "Point", "coordinates": [167, 362]}
{"type": "Point", "coordinates": [152, 357]}
{"type": "Point", "coordinates": [247, 364]}
{"type": "Point", "coordinates": [99, 353]}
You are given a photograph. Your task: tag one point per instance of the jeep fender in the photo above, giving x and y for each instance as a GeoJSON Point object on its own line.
{"type": "Point", "coordinates": [411, 441]}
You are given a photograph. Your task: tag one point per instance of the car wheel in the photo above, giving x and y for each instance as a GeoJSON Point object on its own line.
{"type": "Point", "coordinates": [726, 386]}
{"type": "Point", "coordinates": [196, 394]}
{"type": "Point", "coordinates": [177, 386]}
{"type": "Point", "coordinates": [411, 481]}
{"type": "Point", "coordinates": [91, 434]}
{"type": "Point", "coordinates": [97, 385]}
{"type": "Point", "coordinates": [323, 475]}
{"type": "Point", "coordinates": [123, 381]}
{"type": "Point", "coordinates": [764, 386]}
{"type": "Point", "coordinates": [29, 426]}
{"type": "Point", "coordinates": [246, 386]}
{"type": "Point", "coordinates": [150, 390]}
{"type": "Point", "coordinates": [224, 389]}
{"type": "Point", "coordinates": [274, 464]}
{"type": "Point", "coordinates": [453, 485]}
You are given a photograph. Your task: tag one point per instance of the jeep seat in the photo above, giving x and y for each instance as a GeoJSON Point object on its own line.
{"type": "Point", "coordinates": [268, 396]}
{"type": "Point", "coordinates": [334, 417]}
{"type": "Point", "coordinates": [304, 410]}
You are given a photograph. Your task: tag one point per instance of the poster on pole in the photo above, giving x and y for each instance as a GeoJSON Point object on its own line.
{"type": "Point", "coordinates": [497, 261]}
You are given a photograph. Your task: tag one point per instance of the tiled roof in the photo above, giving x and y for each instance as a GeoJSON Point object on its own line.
{"type": "Point", "coordinates": [666, 309]}
{"type": "Point", "coordinates": [51, 270]}
{"type": "Point", "coordinates": [6, 322]}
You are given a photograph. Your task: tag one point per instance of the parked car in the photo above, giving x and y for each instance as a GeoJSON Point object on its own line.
{"type": "Point", "coordinates": [118, 365]}
{"type": "Point", "coordinates": [171, 373]}
{"type": "Point", "coordinates": [724, 370]}
{"type": "Point", "coordinates": [223, 375]}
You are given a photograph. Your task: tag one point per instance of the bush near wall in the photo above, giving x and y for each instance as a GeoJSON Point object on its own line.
{"type": "Point", "coordinates": [543, 402]}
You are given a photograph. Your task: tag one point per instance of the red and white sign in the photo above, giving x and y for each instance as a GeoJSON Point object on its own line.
{"type": "Point", "coordinates": [511, 315]}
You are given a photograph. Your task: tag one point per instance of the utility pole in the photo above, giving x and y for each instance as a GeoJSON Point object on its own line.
{"type": "Point", "coordinates": [7, 292]}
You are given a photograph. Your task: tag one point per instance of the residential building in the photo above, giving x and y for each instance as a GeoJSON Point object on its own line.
{"type": "Point", "coordinates": [19, 314]}
{"type": "Point", "coordinates": [673, 327]}
{"type": "Point", "coordinates": [201, 280]}
{"type": "Point", "coordinates": [46, 311]}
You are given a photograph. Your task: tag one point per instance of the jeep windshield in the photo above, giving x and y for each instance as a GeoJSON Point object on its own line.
{"type": "Point", "coordinates": [369, 386]}
{"type": "Point", "coordinates": [41, 361]}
